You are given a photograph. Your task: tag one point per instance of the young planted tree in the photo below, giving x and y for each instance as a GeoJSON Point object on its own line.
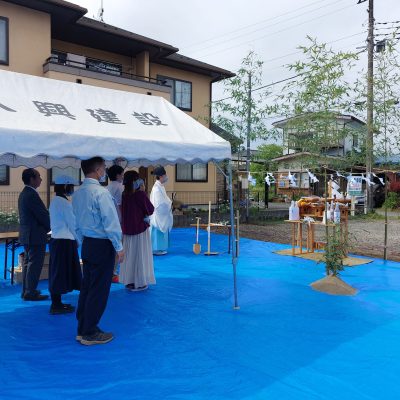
{"type": "Point", "coordinates": [312, 103]}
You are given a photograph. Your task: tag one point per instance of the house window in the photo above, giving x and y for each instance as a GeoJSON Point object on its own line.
{"type": "Point", "coordinates": [181, 92]}
{"type": "Point", "coordinates": [70, 171]}
{"type": "Point", "coordinates": [103, 66]}
{"type": "Point", "coordinates": [355, 141]}
{"type": "Point", "coordinates": [4, 175]}
{"type": "Point", "coordinates": [4, 40]}
{"type": "Point", "coordinates": [191, 173]}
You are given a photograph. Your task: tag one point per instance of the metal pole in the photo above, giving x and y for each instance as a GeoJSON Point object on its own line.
{"type": "Point", "coordinates": [248, 147]}
{"type": "Point", "coordinates": [233, 239]}
{"type": "Point", "coordinates": [370, 103]}
{"type": "Point", "coordinates": [386, 219]}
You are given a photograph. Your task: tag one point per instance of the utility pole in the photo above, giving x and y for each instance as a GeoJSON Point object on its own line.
{"type": "Point", "coordinates": [249, 100]}
{"type": "Point", "coordinates": [369, 145]}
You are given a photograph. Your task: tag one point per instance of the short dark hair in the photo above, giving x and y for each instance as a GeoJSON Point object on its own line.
{"type": "Point", "coordinates": [61, 189]}
{"type": "Point", "coordinates": [90, 165]}
{"type": "Point", "coordinates": [27, 175]}
{"type": "Point", "coordinates": [113, 171]}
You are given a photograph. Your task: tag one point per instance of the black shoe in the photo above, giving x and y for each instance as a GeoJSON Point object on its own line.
{"type": "Point", "coordinates": [79, 336]}
{"type": "Point", "coordinates": [35, 297]}
{"type": "Point", "coordinates": [61, 309]}
{"type": "Point", "coordinates": [97, 338]}
{"type": "Point", "coordinates": [35, 293]}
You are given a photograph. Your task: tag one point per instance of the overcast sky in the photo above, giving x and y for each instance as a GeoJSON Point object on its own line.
{"type": "Point", "coordinates": [221, 32]}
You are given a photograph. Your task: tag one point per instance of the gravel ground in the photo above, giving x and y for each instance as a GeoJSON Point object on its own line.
{"type": "Point", "coordinates": [366, 235]}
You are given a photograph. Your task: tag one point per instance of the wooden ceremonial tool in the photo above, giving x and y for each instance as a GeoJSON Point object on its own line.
{"type": "Point", "coordinates": [197, 246]}
{"type": "Point", "coordinates": [209, 252]}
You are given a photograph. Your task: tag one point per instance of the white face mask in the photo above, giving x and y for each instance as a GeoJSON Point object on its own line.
{"type": "Point", "coordinates": [165, 180]}
{"type": "Point", "coordinates": [103, 178]}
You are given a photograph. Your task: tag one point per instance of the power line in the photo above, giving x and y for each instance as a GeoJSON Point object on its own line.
{"type": "Point", "coordinates": [333, 41]}
{"type": "Point", "coordinates": [262, 87]}
{"type": "Point", "coordinates": [293, 77]}
{"type": "Point", "coordinates": [388, 22]}
{"type": "Point", "coordinates": [387, 28]}
{"type": "Point", "coordinates": [276, 32]}
{"type": "Point", "coordinates": [257, 23]}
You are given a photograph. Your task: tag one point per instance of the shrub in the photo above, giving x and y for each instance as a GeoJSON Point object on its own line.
{"type": "Point", "coordinates": [392, 200]}
{"type": "Point", "coordinates": [9, 218]}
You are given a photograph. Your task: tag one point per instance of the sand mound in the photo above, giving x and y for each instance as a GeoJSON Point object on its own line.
{"type": "Point", "coordinates": [333, 285]}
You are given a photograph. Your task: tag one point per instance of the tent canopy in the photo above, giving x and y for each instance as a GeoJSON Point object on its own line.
{"type": "Point", "coordinates": [46, 122]}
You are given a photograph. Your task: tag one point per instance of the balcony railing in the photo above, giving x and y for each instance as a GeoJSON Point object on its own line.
{"type": "Point", "coordinates": [101, 67]}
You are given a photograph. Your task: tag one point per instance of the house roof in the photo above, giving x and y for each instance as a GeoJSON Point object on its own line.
{"type": "Point", "coordinates": [190, 64]}
{"type": "Point", "coordinates": [301, 154]}
{"type": "Point", "coordinates": [281, 123]}
{"type": "Point", "coordinates": [234, 140]}
{"type": "Point", "coordinates": [69, 24]}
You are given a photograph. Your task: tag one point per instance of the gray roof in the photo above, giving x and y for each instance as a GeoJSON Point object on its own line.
{"type": "Point", "coordinates": [281, 123]}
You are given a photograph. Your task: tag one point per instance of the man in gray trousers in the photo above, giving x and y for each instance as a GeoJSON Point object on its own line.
{"type": "Point", "coordinates": [34, 226]}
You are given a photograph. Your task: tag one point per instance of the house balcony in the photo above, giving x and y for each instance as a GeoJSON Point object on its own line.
{"type": "Point", "coordinates": [111, 74]}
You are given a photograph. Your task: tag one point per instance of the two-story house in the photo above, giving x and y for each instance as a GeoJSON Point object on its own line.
{"type": "Point", "coordinates": [54, 39]}
{"type": "Point", "coordinates": [306, 146]}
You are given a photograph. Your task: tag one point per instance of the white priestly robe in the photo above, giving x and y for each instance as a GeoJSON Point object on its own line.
{"type": "Point", "coordinates": [162, 220]}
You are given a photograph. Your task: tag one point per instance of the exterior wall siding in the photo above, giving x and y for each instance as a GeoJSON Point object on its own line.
{"type": "Point", "coordinates": [29, 39]}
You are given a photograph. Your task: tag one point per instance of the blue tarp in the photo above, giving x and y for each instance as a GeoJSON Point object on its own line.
{"type": "Point", "coordinates": [182, 340]}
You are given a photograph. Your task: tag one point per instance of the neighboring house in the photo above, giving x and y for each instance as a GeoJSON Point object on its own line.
{"type": "Point", "coordinates": [296, 136]}
{"type": "Point", "coordinates": [54, 39]}
{"type": "Point", "coordinates": [297, 159]}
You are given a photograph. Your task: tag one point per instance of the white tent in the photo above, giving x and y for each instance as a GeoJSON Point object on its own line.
{"type": "Point", "coordinates": [43, 121]}
{"type": "Point", "coordinates": [46, 122]}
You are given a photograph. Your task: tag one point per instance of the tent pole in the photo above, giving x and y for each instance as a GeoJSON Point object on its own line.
{"type": "Point", "coordinates": [233, 237]}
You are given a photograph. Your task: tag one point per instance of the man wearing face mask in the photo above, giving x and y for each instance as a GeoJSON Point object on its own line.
{"type": "Point", "coordinates": [99, 230]}
{"type": "Point", "coordinates": [64, 269]}
{"type": "Point", "coordinates": [162, 220]}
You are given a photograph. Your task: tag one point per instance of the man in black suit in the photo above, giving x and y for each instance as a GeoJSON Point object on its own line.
{"type": "Point", "coordinates": [34, 226]}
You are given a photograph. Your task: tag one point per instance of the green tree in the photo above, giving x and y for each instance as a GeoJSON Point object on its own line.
{"type": "Point", "coordinates": [386, 112]}
{"type": "Point", "coordinates": [232, 113]}
{"type": "Point", "coordinates": [386, 98]}
{"type": "Point", "coordinates": [313, 101]}
{"type": "Point", "coordinates": [261, 164]}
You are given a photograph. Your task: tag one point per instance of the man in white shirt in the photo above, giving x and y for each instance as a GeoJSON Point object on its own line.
{"type": "Point", "coordinates": [99, 230]}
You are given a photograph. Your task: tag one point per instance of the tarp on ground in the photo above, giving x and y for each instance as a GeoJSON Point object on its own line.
{"type": "Point", "coordinates": [47, 122]}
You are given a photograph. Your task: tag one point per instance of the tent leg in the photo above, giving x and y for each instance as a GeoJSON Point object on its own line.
{"type": "Point", "coordinates": [233, 238]}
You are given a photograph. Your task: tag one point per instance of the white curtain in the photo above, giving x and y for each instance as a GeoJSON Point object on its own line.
{"type": "Point", "coordinates": [199, 172]}
{"type": "Point", "coordinates": [184, 172]}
